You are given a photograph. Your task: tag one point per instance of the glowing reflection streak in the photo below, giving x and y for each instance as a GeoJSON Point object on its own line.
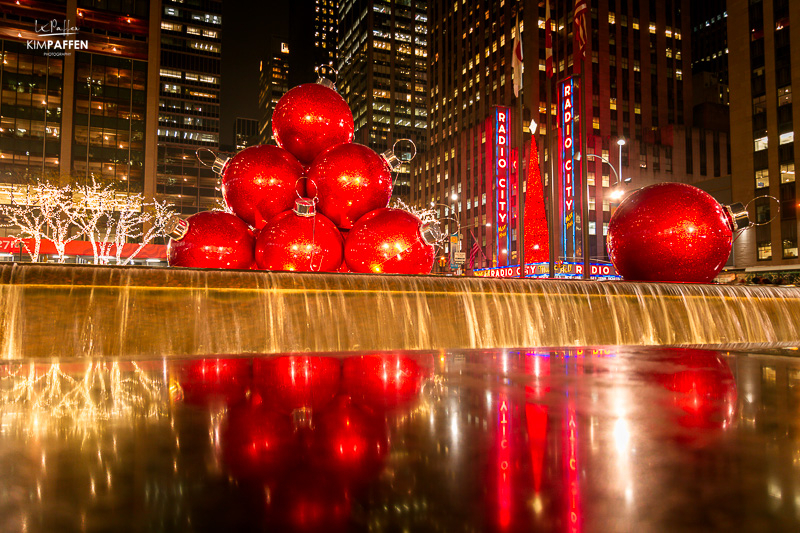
{"type": "Point", "coordinates": [504, 462]}
{"type": "Point", "coordinates": [36, 399]}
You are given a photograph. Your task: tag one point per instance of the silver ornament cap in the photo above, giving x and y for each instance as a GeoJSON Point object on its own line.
{"type": "Point", "coordinates": [176, 228]}
{"type": "Point", "coordinates": [431, 233]}
{"type": "Point", "coordinates": [739, 215]}
{"type": "Point", "coordinates": [305, 207]}
{"type": "Point", "coordinates": [325, 82]}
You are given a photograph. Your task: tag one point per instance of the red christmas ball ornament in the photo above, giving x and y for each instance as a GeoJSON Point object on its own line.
{"type": "Point", "coordinates": [310, 118]}
{"type": "Point", "coordinates": [288, 382]}
{"type": "Point", "coordinates": [381, 382]}
{"type": "Point", "coordinates": [349, 181]}
{"type": "Point", "coordinates": [300, 240]}
{"type": "Point", "coordinates": [672, 232]}
{"type": "Point", "coordinates": [211, 239]}
{"type": "Point", "coordinates": [261, 181]}
{"type": "Point", "coordinates": [391, 241]}
{"type": "Point", "coordinates": [214, 381]}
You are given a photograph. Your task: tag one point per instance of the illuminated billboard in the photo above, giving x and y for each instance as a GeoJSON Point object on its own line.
{"type": "Point", "coordinates": [502, 162]}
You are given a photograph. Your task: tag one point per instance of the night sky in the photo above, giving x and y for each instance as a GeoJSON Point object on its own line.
{"type": "Point", "coordinates": [246, 28]}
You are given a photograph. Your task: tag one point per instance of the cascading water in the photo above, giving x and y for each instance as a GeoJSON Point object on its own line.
{"type": "Point", "coordinates": [92, 311]}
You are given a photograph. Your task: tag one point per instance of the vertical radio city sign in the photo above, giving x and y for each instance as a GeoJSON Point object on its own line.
{"type": "Point", "coordinates": [570, 167]}
{"type": "Point", "coordinates": [502, 162]}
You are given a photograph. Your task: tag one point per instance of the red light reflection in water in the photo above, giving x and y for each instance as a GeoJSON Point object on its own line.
{"type": "Point", "coordinates": [209, 381]}
{"type": "Point", "coordinates": [504, 463]}
{"type": "Point", "coordinates": [572, 471]}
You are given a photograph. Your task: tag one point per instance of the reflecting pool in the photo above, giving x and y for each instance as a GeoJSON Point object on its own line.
{"type": "Point", "coordinates": [569, 440]}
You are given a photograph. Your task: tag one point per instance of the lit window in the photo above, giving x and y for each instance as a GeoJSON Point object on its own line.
{"type": "Point", "coordinates": [785, 95]}
{"type": "Point", "coordinates": [787, 173]}
{"type": "Point", "coordinates": [762, 178]}
{"type": "Point", "coordinates": [787, 137]}
{"type": "Point", "coordinates": [652, 28]}
{"type": "Point", "coordinates": [760, 144]}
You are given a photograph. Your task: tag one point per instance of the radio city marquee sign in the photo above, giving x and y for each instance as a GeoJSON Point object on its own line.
{"type": "Point", "coordinates": [598, 270]}
{"type": "Point", "coordinates": [570, 167]}
{"type": "Point", "coordinates": [502, 162]}
{"type": "Point", "coordinates": [54, 37]}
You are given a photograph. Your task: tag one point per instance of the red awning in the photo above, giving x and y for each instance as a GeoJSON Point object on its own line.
{"type": "Point", "coordinates": [83, 248]}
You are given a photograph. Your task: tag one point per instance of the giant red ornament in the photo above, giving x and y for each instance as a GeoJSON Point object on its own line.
{"type": "Point", "coordinates": [310, 118]}
{"type": "Point", "coordinates": [211, 239]}
{"type": "Point", "coordinates": [261, 181]}
{"type": "Point", "coordinates": [300, 240]}
{"type": "Point", "coordinates": [672, 232]}
{"type": "Point", "coordinates": [349, 181]}
{"type": "Point", "coordinates": [391, 241]}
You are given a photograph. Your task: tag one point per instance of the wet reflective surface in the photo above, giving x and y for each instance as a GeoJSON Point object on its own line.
{"type": "Point", "coordinates": [594, 439]}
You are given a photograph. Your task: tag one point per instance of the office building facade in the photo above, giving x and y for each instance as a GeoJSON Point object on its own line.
{"type": "Point", "coordinates": [79, 106]}
{"type": "Point", "coordinates": [273, 82]}
{"type": "Point", "coordinates": [762, 127]}
{"type": "Point", "coordinates": [188, 104]}
{"type": "Point", "coordinates": [641, 92]}
{"type": "Point", "coordinates": [383, 75]}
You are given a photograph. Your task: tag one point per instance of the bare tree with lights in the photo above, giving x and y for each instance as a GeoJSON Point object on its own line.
{"type": "Point", "coordinates": [94, 216]}
{"type": "Point", "coordinates": [150, 224]}
{"type": "Point", "coordinates": [63, 216]}
{"type": "Point", "coordinates": [31, 213]}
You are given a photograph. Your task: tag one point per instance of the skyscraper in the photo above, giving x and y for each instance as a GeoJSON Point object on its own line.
{"type": "Point", "coordinates": [762, 126]}
{"type": "Point", "coordinates": [383, 58]}
{"type": "Point", "coordinates": [638, 51]}
{"type": "Point", "coordinates": [245, 133]}
{"type": "Point", "coordinates": [273, 82]}
{"type": "Point", "coordinates": [188, 103]}
{"type": "Point", "coordinates": [75, 106]}
{"type": "Point", "coordinates": [326, 23]}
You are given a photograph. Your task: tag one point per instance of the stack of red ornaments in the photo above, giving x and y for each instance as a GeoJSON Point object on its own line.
{"type": "Point", "coordinates": [316, 202]}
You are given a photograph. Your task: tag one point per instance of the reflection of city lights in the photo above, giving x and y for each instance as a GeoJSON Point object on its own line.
{"type": "Point", "coordinates": [622, 435]}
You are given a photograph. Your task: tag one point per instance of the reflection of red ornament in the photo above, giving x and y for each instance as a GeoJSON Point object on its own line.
{"type": "Point", "coordinates": [349, 181]}
{"type": "Point", "coordinates": [704, 387]}
{"type": "Point", "coordinates": [257, 443]}
{"type": "Point", "coordinates": [300, 240]}
{"type": "Point", "coordinates": [309, 501]}
{"type": "Point", "coordinates": [670, 232]}
{"type": "Point", "coordinates": [261, 181]}
{"type": "Point", "coordinates": [349, 441]}
{"type": "Point", "coordinates": [209, 381]}
{"type": "Point", "coordinates": [391, 241]}
{"type": "Point", "coordinates": [310, 118]}
{"type": "Point", "coordinates": [382, 381]}
{"type": "Point", "coordinates": [295, 382]}
{"type": "Point", "coordinates": [211, 239]}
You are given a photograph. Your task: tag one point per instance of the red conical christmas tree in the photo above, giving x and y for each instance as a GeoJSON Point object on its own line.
{"type": "Point", "coordinates": [537, 242]}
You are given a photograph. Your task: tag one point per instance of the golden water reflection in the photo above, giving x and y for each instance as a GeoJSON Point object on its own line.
{"type": "Point", "coordinates": [595, 439]}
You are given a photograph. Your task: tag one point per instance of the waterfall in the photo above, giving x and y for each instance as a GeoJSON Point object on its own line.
{"type": "Point", "coordinates": [102, 311]}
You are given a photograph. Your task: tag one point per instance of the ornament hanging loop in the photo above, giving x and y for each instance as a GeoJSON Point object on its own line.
{"type": "Point", "coordinates": [755, 224]}
{"type": "Point", "coordinates": [218, 163]}
{"type": "Point", "coordinates": [322, 80]}
{"type": "Point", "coordinates": [315, 199]}
{"type": "Point", "coordinates": [391, 157]}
